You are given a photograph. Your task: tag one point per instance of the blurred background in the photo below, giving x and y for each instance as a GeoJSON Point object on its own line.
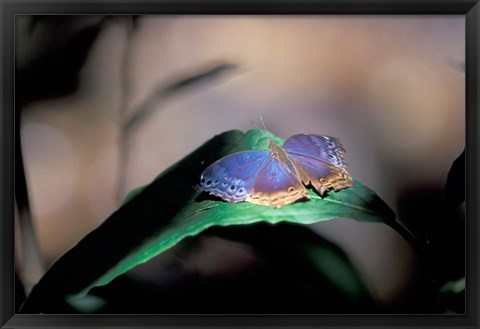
{"type": "Point", "coordinates": [391, 88]}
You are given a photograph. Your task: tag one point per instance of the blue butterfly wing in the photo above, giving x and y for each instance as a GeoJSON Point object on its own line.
{"type": "Point", "coordinates": [232, 177]}
{"type": "Point", "coordinates": [319, 161]}
{"type": "Point", "coordinates": [276, 186]}
{"type": "Point", "coordinates": [260, 178]}
{"type": "Point", "coordinates": [324, 148]}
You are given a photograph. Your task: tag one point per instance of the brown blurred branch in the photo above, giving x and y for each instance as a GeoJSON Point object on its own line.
{"type": "Point", "coordinates": [126, 85]}
{"type": "Point", "coordinates": [32, 266]}
{"type": "Point", "coordinates": [60, 61]}
{"type": "Point", "coordinates": [151, 104]}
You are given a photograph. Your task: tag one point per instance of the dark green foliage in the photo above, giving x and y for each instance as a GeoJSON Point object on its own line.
{"type": "Point", "coordinates": [155, 218]}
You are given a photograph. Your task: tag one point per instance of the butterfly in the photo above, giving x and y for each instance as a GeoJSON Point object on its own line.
{"type": "Point", "coordinates": [279, 176]}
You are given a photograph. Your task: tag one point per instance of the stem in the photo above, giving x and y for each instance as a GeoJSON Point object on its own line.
{"type": "Point", "coordinates": [416, 244]}
{"type": "Point", "coordinates": [123, 147]}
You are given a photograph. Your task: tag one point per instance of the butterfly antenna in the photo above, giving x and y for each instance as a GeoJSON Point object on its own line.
{"type": "Point", "coordinates": [261, 131]}
{"type": "Point", "coordinates": [263, 124]}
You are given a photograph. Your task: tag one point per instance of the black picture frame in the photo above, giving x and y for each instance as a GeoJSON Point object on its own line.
{"type": "Point", "coordinates": [10, 8]}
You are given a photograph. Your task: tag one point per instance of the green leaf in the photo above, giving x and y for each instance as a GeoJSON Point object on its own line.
{"type": "Point", "coordinates": [453, 287]}
{"type": "Point", "coordinates": [133, 193]}
{"type": "Point", "coordinates": [291, 270]}
{"type": "Point", "coordinates": [451, 296]}
{"type": "Point", "coordinates": [158, 216]}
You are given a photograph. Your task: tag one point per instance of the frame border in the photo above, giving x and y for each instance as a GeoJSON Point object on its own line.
{"type": "Point", "coordinates": [10, 8]}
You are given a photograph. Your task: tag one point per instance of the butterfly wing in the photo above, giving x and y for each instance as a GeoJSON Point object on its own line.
{"type": "Point", "coordinates": [276, 186]}
{"type": "Point", "coordinates": [232, 177]}
{"type": "Point", "coordinates": [325, 148]}
{"type": "Point", "coordinates": [320, 162]}
{"type": "Point", "coordinates": [260, 178]}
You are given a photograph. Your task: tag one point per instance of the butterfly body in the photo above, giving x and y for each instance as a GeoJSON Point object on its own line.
{"type": "Point", "coordinates": [278, 177]}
